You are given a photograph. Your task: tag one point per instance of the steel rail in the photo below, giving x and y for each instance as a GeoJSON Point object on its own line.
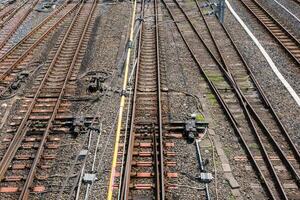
{"type": "Point", "coordinates": [95, 120]}
{"type": "Point", "coordinates": [265, 101]}
{"type": "Point", "coordinates": [284, 32]}
{"type": "Point", "coordinates": [21, 131]}
{"type": "Point", "coordinates": [157, 139]}
{"type": "Point", "coordinates": [13, 144]}
{"type": "Point", "coordinates": [263, 95]}
{"type": "Point", "coordinates": [31, 48]}
{"type": "Point", "coordinates": [126, 175]}
{"type": "Point", "coordinates": [137, 53]}
{"type": "Point", "coordinates": [275, 116]}
{"type": "Point", "coordinates": [161, 178]}
{"type": "Point", "coordinates": [232, 83]}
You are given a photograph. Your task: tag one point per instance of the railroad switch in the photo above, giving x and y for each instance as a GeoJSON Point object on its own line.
{"type": "Point", "coordinates": [89, 178]}
{"type": "Point", "coordinates": [17, 82]}
{"type": "Point", "coordinates": [96, 84]}
{"type": "Point", "coordinates": [78, 126]}
{"type": "Point", "coordinates": [217, 8]}
{"type": "Point", "coordinates": [190, 128]}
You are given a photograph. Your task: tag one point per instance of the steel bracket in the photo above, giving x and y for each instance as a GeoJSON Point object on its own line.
{"type": "Point", "coordinates": [130, 44]}
{"type": "Point", "coordinates": [123, 93]}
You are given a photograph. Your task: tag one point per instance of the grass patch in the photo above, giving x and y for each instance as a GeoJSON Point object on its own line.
{"type": "Point", "coordinates": [253, 145]}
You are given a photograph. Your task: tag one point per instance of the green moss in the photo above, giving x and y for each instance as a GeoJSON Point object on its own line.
{"type": "Point", "coordinates": [231, 197]}
{"type": "Point", "coordinates": [244, 78]}
{"type": "Point", "coordinates": [200, 117]}
{"type": "Point", "coordinates": [227, 151]}
{"type": "Point", "coordinates": [216, 78]}
{"type": "Point", "coordinates": [206, 11]}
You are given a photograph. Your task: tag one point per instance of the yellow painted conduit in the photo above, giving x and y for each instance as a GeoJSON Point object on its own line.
{"type": "Point", "coordinates": [122, 103]}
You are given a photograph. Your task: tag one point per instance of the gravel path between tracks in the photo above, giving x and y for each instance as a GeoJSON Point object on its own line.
{"type": "Point", "coordinates": [105, 45]}
{"type": "Point", "coordinates": [109, 37]}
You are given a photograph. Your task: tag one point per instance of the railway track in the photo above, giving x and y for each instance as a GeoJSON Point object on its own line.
{"type": "Point", "coordinates": [17, 58]}
{"type": "Point", "coordinates": [10, 24]}
{"type": "Point", "coordinates": [143, 170]}
{"type": "Point", "coordinates": [33, 137]}
{"type": "Point", "coordinates": [282, 34]}
{"type": "Point", "coordinates": [265, 140]}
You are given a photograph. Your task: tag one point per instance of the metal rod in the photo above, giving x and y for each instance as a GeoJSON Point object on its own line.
{"type": "Point", "coordinates": [202, 168]}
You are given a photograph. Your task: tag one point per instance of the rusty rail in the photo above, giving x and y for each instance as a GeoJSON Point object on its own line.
{"type": "Point", "coordinates": [151, 94]}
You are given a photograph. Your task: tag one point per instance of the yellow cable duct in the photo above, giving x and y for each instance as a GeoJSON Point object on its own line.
{"type": "Point", "coordinates": [122, 103]}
